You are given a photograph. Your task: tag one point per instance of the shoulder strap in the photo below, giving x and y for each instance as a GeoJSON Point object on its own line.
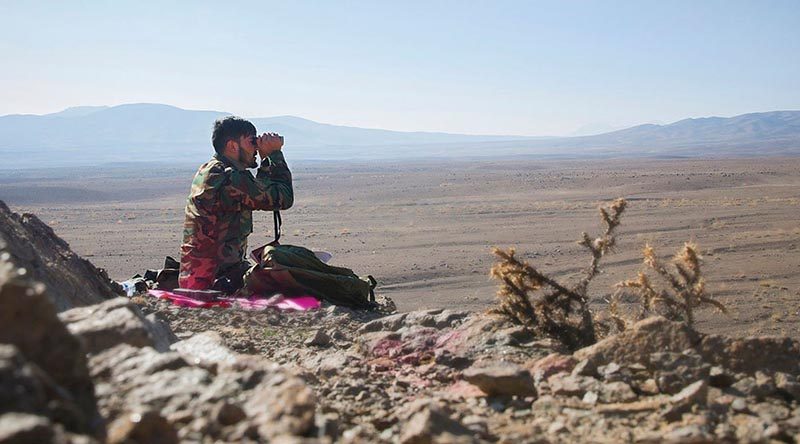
{"type": "Point", "coordinates": [372, 285]}
{"type": "Point", "coordinates": [276, 216]}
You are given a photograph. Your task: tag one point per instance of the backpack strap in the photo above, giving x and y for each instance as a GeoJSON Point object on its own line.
{"type": "Point", "coordinates": [276, 216]}
{"type": "Point", "coordinates": [372, 284]}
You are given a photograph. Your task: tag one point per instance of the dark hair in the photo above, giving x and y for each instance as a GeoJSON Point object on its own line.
{"type": "Point", "coordinates": [230, 128]}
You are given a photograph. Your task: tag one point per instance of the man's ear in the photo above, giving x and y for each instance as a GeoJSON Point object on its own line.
{"type": "Point", "coordinates": [231, 146]}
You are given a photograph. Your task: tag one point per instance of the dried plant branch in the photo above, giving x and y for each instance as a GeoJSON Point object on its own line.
{"type": "Point", "coordinates": [551, 314]}
{"type": "Point", "coordinates": [600, 246]}
{"type": "Point", "coordinates": [615, 313]}
{"type": "Point", "coordinates": [513, 293]}
{"type": "Point", "coordinates": [688, 289]}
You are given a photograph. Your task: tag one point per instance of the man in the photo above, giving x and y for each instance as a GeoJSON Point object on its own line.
{"type": "Point", "coordinates": [219, 210]}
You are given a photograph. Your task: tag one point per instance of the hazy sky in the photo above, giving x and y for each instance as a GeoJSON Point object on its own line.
{"type": "Point", "coordinates": [499, 67]}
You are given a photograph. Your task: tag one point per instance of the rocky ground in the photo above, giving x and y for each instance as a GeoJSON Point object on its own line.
{"type": "Point", "coordinates": [444, 375]}
{"type": "Point", "coordinates": [138, 370]}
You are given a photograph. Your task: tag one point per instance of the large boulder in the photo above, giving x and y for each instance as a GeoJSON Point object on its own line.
{"type": "Point", "coordinates": [22, 387]}
{"type": "Point", "coordinates": [54, 357]}
{"type": "Point", "coordinates": [117, 321]}
{"type": "Point", "coordinates": [196, 395]}
{"type": "Point", "coordinates": [658, 335]}
{"type": "Point", "coordinates": [768, 354]}
{"type": "Point", "coordinates": [30, 244]}
{"type": "Point", "coordinates": [635, 345]}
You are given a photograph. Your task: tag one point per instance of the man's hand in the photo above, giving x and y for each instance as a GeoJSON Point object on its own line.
{"type": "Point", "coordinates": [268, 143]}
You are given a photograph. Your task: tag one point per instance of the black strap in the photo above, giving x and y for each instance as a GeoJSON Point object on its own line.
{"type": "Point", "coordinates": [276, 216]}
{"type": "Point", "coordinates": [372, 284]}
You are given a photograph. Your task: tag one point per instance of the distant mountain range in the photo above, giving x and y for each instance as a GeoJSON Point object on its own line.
{"type": "Point", "coordinates": [91, 135]}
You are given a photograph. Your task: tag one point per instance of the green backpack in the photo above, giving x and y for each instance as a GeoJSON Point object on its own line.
{"type": "Point", "coordinates": [294, 270]}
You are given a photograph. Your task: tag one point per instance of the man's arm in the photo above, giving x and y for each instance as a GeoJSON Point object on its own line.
{"type": "Point", "coordinates": [271, 189]}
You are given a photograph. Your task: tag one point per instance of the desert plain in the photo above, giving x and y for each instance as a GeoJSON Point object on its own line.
{"type": "Point", "coordinates": [425, 229]}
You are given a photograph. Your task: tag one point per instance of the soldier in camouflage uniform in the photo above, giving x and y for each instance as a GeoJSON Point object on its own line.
{"type": "Point", "coordinates": [219, 210]}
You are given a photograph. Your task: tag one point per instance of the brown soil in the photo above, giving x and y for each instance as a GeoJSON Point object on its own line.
{"type": "Point", "coordinates": [425, 230]}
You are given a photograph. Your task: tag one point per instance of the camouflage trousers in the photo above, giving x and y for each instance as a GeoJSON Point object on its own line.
{"type": "Point", "coordinates": [246, 278]}
{"type": "Point", "coordinates": [228, 279]}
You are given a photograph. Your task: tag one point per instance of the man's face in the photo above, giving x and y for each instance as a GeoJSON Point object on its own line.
{"type": "Point", "coordinates": [247, 150]}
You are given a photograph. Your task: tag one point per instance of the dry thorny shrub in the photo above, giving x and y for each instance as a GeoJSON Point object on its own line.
{"type": "Point", "coordinates": [560, 311]}
{"type": "Point", "coordinates": [685, 288]}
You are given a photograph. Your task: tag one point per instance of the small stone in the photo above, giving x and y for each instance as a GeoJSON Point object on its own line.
{"type": "Point", "coordinates": [448, 318]}
{"type": "Point", "coordinates": [498, 405]}
{"type": "Point", "coordinates": [288, 408]}
{"type": "Point", "coordinates": [431, 423]}
{"type": "Point", "coordinates": [552, 364]}
{"type": "Point", "coordinates": [590, 398]}
{"type": "Point", "coordinates": [770, 412]}
{"type": "Point", "coordinates": [336, 310]}
{"type": "Point", "coordinates": [319, 339]}
{"type": "Point", "coordinates": [328, 425]}
{"type": "Point", "coordinates": [521, 413]}
{"type": "Point", "coordinates": [627, 408]}
{"type": "Point", "coordinates": [692, 433]}
{"type": "Point", "coordinates": [449, 359]}
{"type": "Point", "coordinates": [338, 335]}
{"type": "Point", "coordinates": [772, 431]}
{"type": "Point", "coordinates": [750, 428]}
{"type": "Point", "coordinates": [765, 383]}
{"type": "Point", "coordinates": [568, 385]}
{"type": "Point", "coordinates": [720, 378]}
{"type": "Point", "coordinates": [616, 392]}
{"type": "Point", "coordinates": [501, 379]}
{"type": "Point", "coordinates": [354, 390]}
{"type": "Point", "coordinates": [388, 323]}
{"type": "Point", "coordinates": [637, 367]}
{"type": "Point", "coordinates": [556, 427]}
{"type": "Point", "coordinates": [180, 417]}
{"type": "Point", "coordinates": [475, 423]}
{"type": "Point", "coordinates": [759, 386]}
{"type": "Point", "coordinates": [584, 368]}
{"type": "Point", "coordinates": [649, 387]}
{"type": "Point", "coordinates": [739, 405]}
{"type": "Point", "coordinates": [692, 393]}
{"type": "Point", "coordinates": [206, 347]}
{"type": "Point", "coordinates": [606, 371]}
{"type": "Point", "coordinates": [149, 427]}
{"type": "Point", "coordinates": [332, 365]}
{"type": "Point", "coordinates": [682, 402]}
{"type": "Point", "coordinates": [385, 435]}
{"type": "Point", "coordinates": [228, 414]}
{"type": "Point", "coordinates": [673, 371]}
{"type": "Point", "coordinates": [787, 385]}
{"type": "Point", "coordinates": [424, 318]}
{"type": "Point", "coordinates": [25, 428]}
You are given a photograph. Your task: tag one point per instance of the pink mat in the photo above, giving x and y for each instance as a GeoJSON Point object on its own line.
{"type": "Point", "coordinates": [279, 301]}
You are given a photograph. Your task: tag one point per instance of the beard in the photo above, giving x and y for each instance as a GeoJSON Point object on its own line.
{"type": "Point", "coordinates": [247, 160]}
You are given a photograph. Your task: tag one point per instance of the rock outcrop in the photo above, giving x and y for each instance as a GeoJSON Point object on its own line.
{"type": "Point", "coordinates": [30, 245]}
{"type": "Point", "coordinates": [137, 383]}
{"type": "Point", "coordinates": [42, 366]}
{"type": "Point", "coordinates": [117, 321]}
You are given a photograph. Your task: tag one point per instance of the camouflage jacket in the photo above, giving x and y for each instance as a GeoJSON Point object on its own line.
{"type": "Point", "coordinates": [219, 214]}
